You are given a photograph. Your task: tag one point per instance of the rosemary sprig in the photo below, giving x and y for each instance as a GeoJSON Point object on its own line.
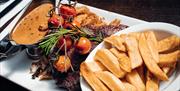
{"type": "Point", "coordinates": [49, 42]}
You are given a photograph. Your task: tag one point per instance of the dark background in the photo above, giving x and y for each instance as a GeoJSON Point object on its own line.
{"type": "Point", "coordinates": [148, 10]}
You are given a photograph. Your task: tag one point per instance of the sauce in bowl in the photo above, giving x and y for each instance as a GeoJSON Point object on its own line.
{"type": "Point", "coordinates": [27, 30]}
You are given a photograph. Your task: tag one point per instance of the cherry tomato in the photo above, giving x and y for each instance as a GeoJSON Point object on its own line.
{"type": "Point", "coordinates": [76, 23]}
{"type": "Point", "coordinates": [68, 25]}
{"type": "Point", "coordinates": [84, 45]}
{"type": "Point", "coordinates": [53, 22]}
{"type": "Point", "coordinates": [68, 43]}
{"type": "Point", "coordinates": [67, 11]}
{"type": "Point", "coordinates": [60, 18]}
{"type": "Point", "coordinates": [62, 64]}
{"type": "Point", "coordinates": [56, 20]}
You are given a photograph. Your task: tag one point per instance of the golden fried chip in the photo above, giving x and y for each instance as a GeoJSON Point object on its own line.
{"type": "Point", "coordinates": [110, 80]}
{"type": "Point", "coordinates": [110, 62]}
{"type": "Point", "coordinates": [117, 53]}
{"type": "Point", "coordinates": [129, 87]}
{"type": "Point", "coordinates": [125, 63]}
{"type": "Point", "coordinates": [149, 60]}
{"type": "Point", "coordinates": [116, 41]}
{"type": "Point", "coordinates": [135, 35]}
{"type": "Point", "coordinates": [168, 59]}
{"type": "Point", "coordinates": [169, 43]}
{"type": "Point", "coordinates": [96, 66]}
{"type": "Point", "coordinates": [91, 78]}
{"type": "Point", "coordinates": [133, 51]}
{"type": "Point", "coordinates": [134, 78]}
{"type": "Point", "coordinates": [123, 59]}
{"type": "Point", "coordinates": [152, 44]}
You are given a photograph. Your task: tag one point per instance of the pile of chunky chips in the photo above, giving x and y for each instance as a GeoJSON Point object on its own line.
{"type": "Point", "coordinates": [134, 62]}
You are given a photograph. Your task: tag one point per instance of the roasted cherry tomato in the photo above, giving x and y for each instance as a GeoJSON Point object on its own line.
{"type": "Point", "coordinates": [68, 41]}
{"type": "Point", "coordinates": [83, 45]}
{"type": "Point", "coordinates": [56, 20]}
{"type": "Point", "coordinates": [53, 22]}
{"type": "Point", "coordinates": [62, 64]}
{"type": "Point", "coordinates": [68, 25]}
{"type": "Point", "coordinates": [76, 23]}
{"type": "Point", "coordinates": [67, 11]}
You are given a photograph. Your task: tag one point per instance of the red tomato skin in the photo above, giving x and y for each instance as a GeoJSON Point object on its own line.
{"type": "Point", "coordinates": [83, 45]}
{"type": "Point", "coordinates": [67, 11]}
{"type": "Point", "coordinates": [69, 43]}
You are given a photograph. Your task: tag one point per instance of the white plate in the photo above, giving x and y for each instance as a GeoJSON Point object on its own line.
{"type": "Point", "coordinates": [162, 30]}
{"type": "Point", "coordinates": [16, 68]}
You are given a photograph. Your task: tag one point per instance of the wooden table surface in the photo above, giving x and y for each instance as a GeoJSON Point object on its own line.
{"type": "Point", "coordinates": [148, 10]}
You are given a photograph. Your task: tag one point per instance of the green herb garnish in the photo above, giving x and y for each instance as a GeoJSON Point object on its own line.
{"type": "Point", "coordinates": [49, 42]}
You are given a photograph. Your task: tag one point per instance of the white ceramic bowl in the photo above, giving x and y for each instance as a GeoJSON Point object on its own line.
{"type": "Point", "coordinates": [162, 30]}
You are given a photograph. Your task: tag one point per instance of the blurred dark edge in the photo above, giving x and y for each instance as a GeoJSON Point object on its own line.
{"type": "Point", "coordinates": [8, 8]}
{"type": "Point", "coordinates": [3, 1]}
{"type": "Point", "coordinates": [148, 10]}
{"type": "Point", "coordinates": [7, 85]}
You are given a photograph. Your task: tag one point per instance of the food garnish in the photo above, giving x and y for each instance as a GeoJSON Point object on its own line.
{"type": "Point", "coordinates": [83, 45]}
{"type": "Point", "coordinates": [62, 41]}
{"type": "Point", "coordinates": [55, 21]}
{"type": "Point", "coordinates": [62, 64]}
{"type": "Point", "coordinates": [67, 11]}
